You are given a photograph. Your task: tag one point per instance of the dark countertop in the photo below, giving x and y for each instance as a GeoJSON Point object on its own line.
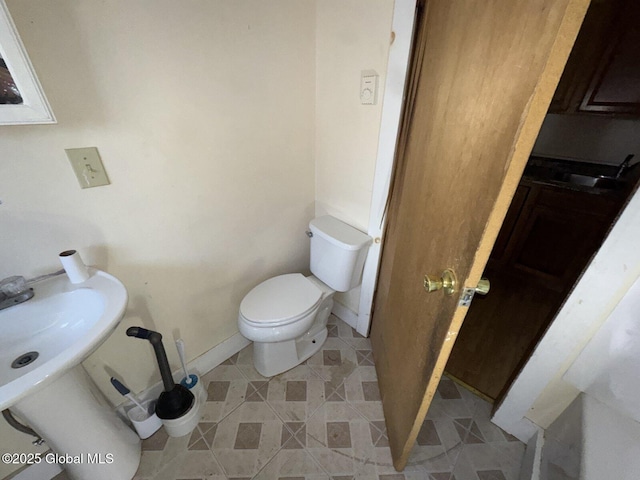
{"type": "Point", "coordinates": [550, 171]}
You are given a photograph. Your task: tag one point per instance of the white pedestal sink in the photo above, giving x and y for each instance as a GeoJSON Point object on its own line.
{"type": "Point", "coordinates": [63, 323]}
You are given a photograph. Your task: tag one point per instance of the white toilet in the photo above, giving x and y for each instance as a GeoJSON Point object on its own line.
{"type": "Point", "coordinates": [286, 316]}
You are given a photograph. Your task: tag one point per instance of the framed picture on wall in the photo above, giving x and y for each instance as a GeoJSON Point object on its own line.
{"type": "Point", "coordinates": [22, 100]}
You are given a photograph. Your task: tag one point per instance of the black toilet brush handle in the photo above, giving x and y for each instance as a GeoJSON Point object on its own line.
{"type": "Point", "coordinates": [155, 339]}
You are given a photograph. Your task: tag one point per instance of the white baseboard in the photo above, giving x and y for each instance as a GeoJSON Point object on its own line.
{"type": "Point", "coordinates": [345, 314]}
{"type": "Point", "coordinates": [218, 354]}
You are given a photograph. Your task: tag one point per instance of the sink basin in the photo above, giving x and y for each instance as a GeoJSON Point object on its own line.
{"type": "Point", "coordinates": [47, 338]}
{"type": "Point", "coordinates": [63, 323]}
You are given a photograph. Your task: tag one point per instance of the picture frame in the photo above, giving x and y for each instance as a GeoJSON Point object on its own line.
{"type": "Point", "coordinates": [33, 107]}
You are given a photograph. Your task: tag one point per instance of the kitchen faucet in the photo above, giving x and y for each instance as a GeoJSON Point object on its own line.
{"type": "Point", "coordinates": [624, 166]}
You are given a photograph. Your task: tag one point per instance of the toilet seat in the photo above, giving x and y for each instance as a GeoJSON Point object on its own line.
{"type": "Point", "coordinates": [280, 300]}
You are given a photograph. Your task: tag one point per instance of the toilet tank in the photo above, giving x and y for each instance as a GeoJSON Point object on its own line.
{"type": "Point", "coordinates": [338, 252]}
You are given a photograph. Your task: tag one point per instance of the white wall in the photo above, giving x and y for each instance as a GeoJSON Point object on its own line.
{"type": "Point", "coordinates": [600, 139]}
{"type": "Point", "coordinates": [608, 368]}
{"type": "Point", "coordinates": [203, 113]}
{"type": "Point", "coordinates": [350, 37]}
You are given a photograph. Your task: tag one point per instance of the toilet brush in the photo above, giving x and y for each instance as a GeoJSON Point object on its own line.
{"type": "Point", "coordinates": [190, 380]}
{"type": "Point", "coordinates": [125, 392]}
{"type": "Point", "coordinates": [176, 400]}
{"type": "Point", "coordinates": [142, 416]}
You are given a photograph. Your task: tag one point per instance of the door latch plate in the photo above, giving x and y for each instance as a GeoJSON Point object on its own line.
{"type": "Point", "coordinates": [466, 297]}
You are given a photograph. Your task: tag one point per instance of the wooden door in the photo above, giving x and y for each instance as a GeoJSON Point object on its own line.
{"type": "Point", "coordinates": [483, 75]}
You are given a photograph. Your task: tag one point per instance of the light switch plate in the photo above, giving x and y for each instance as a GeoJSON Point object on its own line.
{"type": "Point", "coordinates": [87, 166]}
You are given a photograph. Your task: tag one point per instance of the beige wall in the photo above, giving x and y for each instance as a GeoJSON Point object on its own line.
{"type": "Point", "coordinates": [203, 113]}
{"type": "Point", "coordinates": [350, 37]}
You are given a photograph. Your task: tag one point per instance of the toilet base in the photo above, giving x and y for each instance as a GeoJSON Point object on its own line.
{"type": "Point", "coordinates": [274, 358]}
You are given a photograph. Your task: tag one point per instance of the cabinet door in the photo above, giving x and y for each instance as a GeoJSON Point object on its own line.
{"type": "Point", "coordinates": [615, 87]}
{"type": "Point", "coordinates": [509, 225]}
{"type": "Point", "coordinates": [556, 242]}
{"type": "Point", "coordinates": [602, 74]}
{"type": "Point", "coordinates": [583, 61]}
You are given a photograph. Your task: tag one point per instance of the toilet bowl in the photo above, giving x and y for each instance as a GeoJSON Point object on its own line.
{"type": "Point", "coordinates": [286, 316]}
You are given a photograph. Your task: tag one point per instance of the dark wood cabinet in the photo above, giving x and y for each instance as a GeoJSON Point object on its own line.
{"type": "Point", "coordinates": [548, 237]}
{"type": "Point", "coordinates": [555, 233]}
{"type": "Point", "coordinates": [602, 74]}
{"type": "Point", "coordinates": [510, 221]}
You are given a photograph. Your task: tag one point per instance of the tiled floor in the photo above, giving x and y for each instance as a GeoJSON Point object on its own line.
{"type": "Point", "coordinates": [323, 420]}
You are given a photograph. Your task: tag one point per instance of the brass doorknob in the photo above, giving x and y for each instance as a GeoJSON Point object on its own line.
{"type": "Point", "coordinates": [447, 282]}
{"type": "Point", "coordinates": [484, 285]}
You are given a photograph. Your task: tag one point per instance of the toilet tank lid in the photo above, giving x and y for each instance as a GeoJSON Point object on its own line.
{"type": "Point", "coordinates": [339, 233]}
{"type": "Point", "coordinates": [280, 298]}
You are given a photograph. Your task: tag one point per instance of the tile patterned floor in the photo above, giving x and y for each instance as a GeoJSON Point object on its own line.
{"type": "Point", "coordinates": [323, 420]}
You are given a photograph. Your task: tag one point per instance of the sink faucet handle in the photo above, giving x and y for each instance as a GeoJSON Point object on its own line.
{"type": "Point", "coordinates": [12, 286]}
{"type": "Point", "coordinates": [13, 291]}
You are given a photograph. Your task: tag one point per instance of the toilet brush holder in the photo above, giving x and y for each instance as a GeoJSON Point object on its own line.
{"type": "Point", "coordinates": [146, 422]}
{"type": "Point", "coordinates": [184, 425]}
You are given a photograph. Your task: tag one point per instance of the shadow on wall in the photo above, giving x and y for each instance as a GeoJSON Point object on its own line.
{"type": "Point", "coordinates": [32, 241]}
{"type": "Point", "coordinates": [198, 304]}
{"type": "Point", "coordinates": [137, 314]}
